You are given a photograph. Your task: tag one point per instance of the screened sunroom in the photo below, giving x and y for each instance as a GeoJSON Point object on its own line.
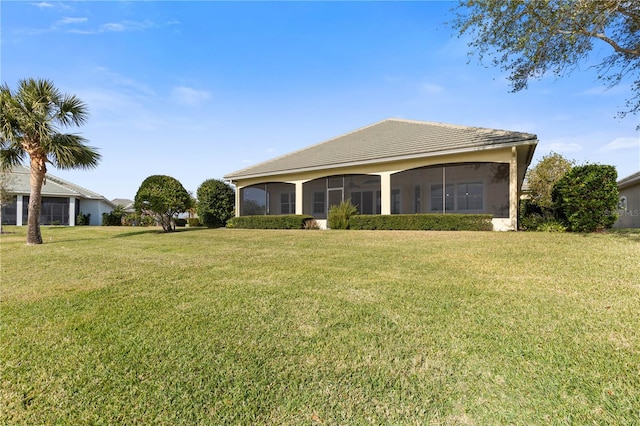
{"type": "Point", "coordinates": [395, 167]}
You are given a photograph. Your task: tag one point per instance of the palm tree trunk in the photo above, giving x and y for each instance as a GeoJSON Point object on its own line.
{"type": "Point", "coordinates": [38, 171]}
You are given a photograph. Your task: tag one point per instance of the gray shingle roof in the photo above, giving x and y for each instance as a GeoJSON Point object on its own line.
{"type": "Point", "coordinates": [52, 187]}
{"type": "Point", "coordinates": [387, 140]}
{"type": "Point", "coordinates": [629, 180]}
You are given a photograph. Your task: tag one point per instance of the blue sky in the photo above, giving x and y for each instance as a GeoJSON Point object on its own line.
{"type": "Point", "coordinates": [196, 90]}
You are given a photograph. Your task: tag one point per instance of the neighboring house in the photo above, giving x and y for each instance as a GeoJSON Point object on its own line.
{"type": "Point", "coordinates": [629, 205]}
{"type": "Point", "coordinates": [126, 203]}
{"type": "Point", "coordinates": [395, 166]}
{"type": "Point", "coordinates": [62, 201]}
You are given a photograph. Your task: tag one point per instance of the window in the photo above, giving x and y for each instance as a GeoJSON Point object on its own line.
{"type": "Point", "coordinates": [622, 204]}
{"type": "Point", "coordinates": [416, 199]}
{"type": "Point", "coordinates": [366, 202]}
{"type": "Point", "coordinates": [437, 196]}
{"type": "Point", "coordinates": [470, 196]}
{"type": "Point", "coordinates": [395, 201]}
{"type": "Point", "coordinates": [288, 203]}
{"type": "Point", "coordinates": [462, 197]}
{"type": "Point", "coordinates": [318, 203]}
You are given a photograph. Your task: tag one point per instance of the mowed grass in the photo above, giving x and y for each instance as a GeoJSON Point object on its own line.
{"type": "Point", "coordinates": [132, 326]}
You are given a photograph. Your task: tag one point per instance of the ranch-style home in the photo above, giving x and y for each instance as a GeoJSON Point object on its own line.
{"type": "Point", "coordinates": [395, 166]}
{"type": "Point", "coordinates": [62, 201]}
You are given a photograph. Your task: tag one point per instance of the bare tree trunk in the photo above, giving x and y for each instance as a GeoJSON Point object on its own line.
{"type": "Point", "coordinates": [38, 171]}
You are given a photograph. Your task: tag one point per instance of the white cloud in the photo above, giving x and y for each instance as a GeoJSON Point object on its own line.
{"type": "Point", "coordinates": [622, 143]}
{"type": "Point", "coordinates": [42, 4]}
{"type": "Point", "coordinates": [126, 26]}
{"type": "Point", "coordinates": [68, 20]}
{"type": "Point", "coordinates": [189, 96]}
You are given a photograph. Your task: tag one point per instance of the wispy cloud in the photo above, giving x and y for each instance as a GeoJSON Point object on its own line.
{"type": "Point", "coordinates": [42, 5]}
{"type": "Point", "coordinates": [69, 20]}
{"type": "Point", "coordinates": [622, 143]}
{"type": "Point", "coordinates": [126, 26]}
{"type": "Point", "coordinates": [562, 145]}
{"type": "Point", "coordinates": [432, 89]}
{"type": "Point", "coordinates": [189, 96]}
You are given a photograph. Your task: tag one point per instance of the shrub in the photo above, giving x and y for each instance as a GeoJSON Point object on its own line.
{"type": "Point", "coordinates": [311, 224]}
{"type": "Point", "coordinates": [113, 218]}
{"type": "Point", "coordinates": [194, 221]}
{"type": "Point", "coordinates": [216, 201]}
{"type": "Point", "coordinates": [290, 221]}
{"type": "Point", "coordinates": [83, 219]}
{"type": "Point", "coordinates": [340, 214]}
{"type": "Point", "coordinates": [435, 222]}
{"type": "Point", "coordinates": [162, 197]}
{"type": "Point", "coordinates": [586, 198]}
{"type": "Point", "coordinates": [180, 221]}
{"type": "Point", "coordinates": [551, 226]}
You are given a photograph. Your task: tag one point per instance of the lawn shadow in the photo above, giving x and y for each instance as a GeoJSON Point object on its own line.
{"type": "Point", "coordinates": [157, 231]}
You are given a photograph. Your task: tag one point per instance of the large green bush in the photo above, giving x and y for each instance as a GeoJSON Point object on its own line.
{"type": "Point", "coordinates": [162, 197]}
{"type": "Point", "coordinates": [586, 198]}
{"type": "Point", "coordinates": [288, 221]}
{"type": "Point", "coordinates": [340, 214]}
{"type": "Point", "coordinates": [216, 200]}
{"type": "Point", "coordinates": [435, 222]}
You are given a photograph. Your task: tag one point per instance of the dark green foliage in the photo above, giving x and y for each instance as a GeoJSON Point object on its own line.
{"type": "Point", "coordinates": [434, 222]}
{"type": "Point", "coordinates": [112, 219]}
{"type": "Point", "coordinates": [83, 219]}
{"type": "Point", "coordinates": [586, 198]}
{"type": "Point", "coordinates": [288, 221]}
{"type": "Point", "coordinates": [216, 201]}
{"type": "Point", "coordinates": [180, 221]}
{"type": "Point", "coordinates": [339, 215]}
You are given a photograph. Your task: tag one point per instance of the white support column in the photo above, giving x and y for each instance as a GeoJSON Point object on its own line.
{"type": "Point", "coordinates": [513, 189]}
{"type": "Point", "coordinates": [19, 201]}
{"type": "Point", "coordinates": [385, 192]}
{"type": "Point", "coordinates": [238, 189]}
{"type": "Point", "coordinates": [72, 211]}
{"type": "Point", "coordinates": [299, 197]}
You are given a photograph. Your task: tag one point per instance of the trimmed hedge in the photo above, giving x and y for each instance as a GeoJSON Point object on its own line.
{"type": "Point", "coordinates": [433, 222]}
{"type": "Point", "coordinates": [288, 221]}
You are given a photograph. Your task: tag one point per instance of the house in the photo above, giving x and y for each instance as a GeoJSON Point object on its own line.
{"type": "Point", "coordinates": [395, 166]}
{"type": "Point", "coordinates": [62, 201]}
{"type": "Point", "coordinates": [127, 204]}
{"type": "Point", "coordinates": [629, 205]}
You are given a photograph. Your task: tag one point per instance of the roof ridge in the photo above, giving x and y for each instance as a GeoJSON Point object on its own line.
{"type": "Point", "coordinates": [455, 126]}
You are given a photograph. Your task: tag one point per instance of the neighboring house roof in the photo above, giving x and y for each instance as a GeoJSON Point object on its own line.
{"type": "Point", "coordinates": [629, 180]}
{"type": "Point", "coordinates": [53, 186]}
{"type": "Point", "coordinates": [125, 202]}
{"type": "Point", "coordinates": [388, 140]}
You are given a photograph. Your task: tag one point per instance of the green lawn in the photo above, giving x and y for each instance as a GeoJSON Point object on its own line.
{"type": "Point", "coordinates": [128, 325]}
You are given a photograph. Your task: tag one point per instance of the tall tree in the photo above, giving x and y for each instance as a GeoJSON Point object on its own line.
{"type": "Point", "coordinates": [31, 121]}
{"type": "Point", "coordinates": [528, 39]}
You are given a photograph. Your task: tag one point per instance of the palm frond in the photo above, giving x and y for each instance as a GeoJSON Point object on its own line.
{"type": "Point", "coordinates": [10, 157]}
{"type": "Point", "coordinates": [69, 151]}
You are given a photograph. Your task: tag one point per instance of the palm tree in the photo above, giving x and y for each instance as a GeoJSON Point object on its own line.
{"type": "Point", "coordinates": [30, 121]}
